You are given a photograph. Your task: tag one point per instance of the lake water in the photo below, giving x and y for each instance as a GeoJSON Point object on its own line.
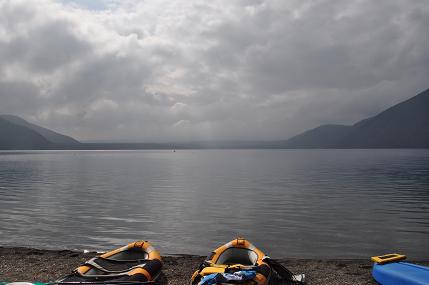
{"type": "Point", "coordinates": [290, 203]}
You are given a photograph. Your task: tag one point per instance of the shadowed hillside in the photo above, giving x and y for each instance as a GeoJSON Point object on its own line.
{"type": "Point", "coordinates": [17, 133]}
{"type": "Point", "coordinates": [51, 136]}
{"type": "Point", "coordinates": [18, 137]}
{"type": "Point", "coordinates": [405, 125]}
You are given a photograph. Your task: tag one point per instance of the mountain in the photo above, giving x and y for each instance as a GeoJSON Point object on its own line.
{"type": "Point", "coordinates": [18, 137]}
{"type": "Point", "coordinates": [405, 125]}
{"type": "Point", "coordinates": [324, 136]}
{"type": "Point", "coordinates": [51, 136]}
{"type": "Point", "coordinates": [17, 133]}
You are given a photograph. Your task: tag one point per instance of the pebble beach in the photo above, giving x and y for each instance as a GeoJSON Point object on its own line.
{"type": "Point", "coordinates": [26, 264]}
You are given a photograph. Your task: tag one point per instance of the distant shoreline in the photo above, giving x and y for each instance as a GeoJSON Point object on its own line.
{"type": "Point", "coordinates": [173, 147]}
{"type": "Point", "coordinates": [29, 264]}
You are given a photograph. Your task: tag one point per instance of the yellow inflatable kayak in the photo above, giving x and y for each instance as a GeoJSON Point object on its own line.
{"type": "Point", "coordinates": [240, 262]}
{"type": "Point", "coordinates": [136, 262]}
{"type": "Point", "coordinates": [238, 255]}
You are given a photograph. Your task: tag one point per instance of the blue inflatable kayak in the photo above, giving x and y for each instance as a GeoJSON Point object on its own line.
{"type": "Point", "coordinates": [395, 272]}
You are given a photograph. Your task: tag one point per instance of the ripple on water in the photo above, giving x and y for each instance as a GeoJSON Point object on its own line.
{"type": "Point", "coordinates": [297, 203]}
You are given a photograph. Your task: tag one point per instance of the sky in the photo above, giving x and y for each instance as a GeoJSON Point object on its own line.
{"type": "Point", "coordinates": [170, 70]}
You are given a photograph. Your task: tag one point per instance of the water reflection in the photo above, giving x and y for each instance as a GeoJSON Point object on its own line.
{"type": "Point", "coordinates": [296, 203]}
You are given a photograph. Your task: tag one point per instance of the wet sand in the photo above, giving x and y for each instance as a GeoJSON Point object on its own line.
{"type": "Point", "coordinates": [26, 264]}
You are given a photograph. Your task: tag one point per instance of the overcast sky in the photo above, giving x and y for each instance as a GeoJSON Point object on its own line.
{"type": "Point", "coordinates": [168, 70]}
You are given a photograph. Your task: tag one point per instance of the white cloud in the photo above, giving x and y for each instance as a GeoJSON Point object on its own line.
{"type": "Point", "coordinates": [179, 70]}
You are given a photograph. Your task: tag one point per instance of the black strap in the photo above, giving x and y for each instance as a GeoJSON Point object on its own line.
{"type": "Point", "coordinates": [286, 276]}
{"type": "Point", "coordinates": [122, 260]}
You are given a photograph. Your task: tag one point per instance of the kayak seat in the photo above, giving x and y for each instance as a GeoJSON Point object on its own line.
{"type": "Point", "coordinates": [235, 255]}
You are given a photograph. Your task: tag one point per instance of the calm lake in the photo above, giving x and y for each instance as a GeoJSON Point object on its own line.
{"type": "Point", "coordinates": [290, 203]}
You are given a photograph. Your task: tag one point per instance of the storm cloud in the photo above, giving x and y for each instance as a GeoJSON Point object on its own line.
{"type": "Point", "coordinates": [165, 70]}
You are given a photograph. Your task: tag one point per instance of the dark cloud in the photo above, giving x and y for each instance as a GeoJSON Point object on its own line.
{"type": "Point", "coordinates": [181, 70]}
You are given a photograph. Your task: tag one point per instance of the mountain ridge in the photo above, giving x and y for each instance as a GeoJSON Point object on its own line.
{"type": "Point", "coordinates": [404, 125]}
{"type": "Point", "coordinates": [52, 136]}
{"type": "Point", "coordinates": [18, 134]}
{"type": "Point", "coordinates": [14, 136]}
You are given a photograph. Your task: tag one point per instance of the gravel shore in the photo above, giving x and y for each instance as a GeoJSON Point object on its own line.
{"type": "Point", "coordinates": [26, 264]}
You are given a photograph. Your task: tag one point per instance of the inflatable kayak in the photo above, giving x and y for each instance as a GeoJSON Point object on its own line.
{"type": "Point", "coordinates": [23, 283]}
{"type": "Point", "coordinates": [240, 262]}
{"type": "Point", "coordinates": [390, 269]}
{"type": "Point", "coordinates": [135, 262]}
